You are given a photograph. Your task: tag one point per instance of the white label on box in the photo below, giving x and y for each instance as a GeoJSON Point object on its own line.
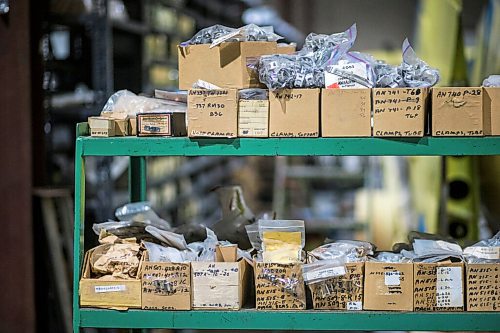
{"type": "Point", "coordinates": [392, 278]}
{"type": "Point", "coordinates": [354, 306]}
{"type": "Point", "coordinates": [223, 38]}
{"type": "Point", "coordinates": [325, 273]}
{"type": "Point", "coordinates": [483, 252]}
{"type": "Point", "coordinates": [449, 292]}
{"type": "Point", "coordinates": [334, 79]}
{"type": "Point", "coordinates": [110, 289]}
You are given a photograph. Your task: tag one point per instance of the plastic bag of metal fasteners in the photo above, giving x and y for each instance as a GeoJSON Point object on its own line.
{"type": "Point", "coordinates": [159, 253]}
{"type": "Point", "coordinates": [280, 71]}
{"type": "Point", "coordinates": [329, 49]}
{"type": "Point", "coordinates": [416, 72]}
{"type": "Point", "coordinates": [390, 257]}
{"type": "Point", "coordinates": [141, 212]}
{"type": "Point", "coordinates": [208, 35]}
{"type": "Point", "coordinates": [492, 81]}
{"type": "Point", "coordinates": [254, 94]}
{"type": "Point", "coordinates": [353, 71]}
{"type": "Point", "coordinates": [484, 251]}
{"type": "Point", "coordinates": [348, 250]}
{"type": "Point", "coordinates": [387, 76]}
{"type": "Point", "coordinates": [323, 270]}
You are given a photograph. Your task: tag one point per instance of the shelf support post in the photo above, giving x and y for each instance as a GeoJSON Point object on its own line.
{"type": "Point", "coordinates": [137, 179]}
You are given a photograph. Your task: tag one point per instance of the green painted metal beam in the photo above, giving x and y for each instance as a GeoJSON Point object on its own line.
{"type": "Point", "coordinates": [134, 146]}
{"type": "Point", "coordinates": [299, 320]}
{"type": "Point", "coordinates": [137, 179]}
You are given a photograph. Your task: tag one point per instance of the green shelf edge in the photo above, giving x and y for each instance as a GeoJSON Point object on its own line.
{"type": "Point", "coordinates": [285, 320]}
{"type": "Point", "coordinates": [369, 146]}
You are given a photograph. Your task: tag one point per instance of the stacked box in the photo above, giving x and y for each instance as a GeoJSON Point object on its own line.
{"type": "Point", "coordinates": [483, 287]}
{"type": "Point", "coordinates": [491, 107]}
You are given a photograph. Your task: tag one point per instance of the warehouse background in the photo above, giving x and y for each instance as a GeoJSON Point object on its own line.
{"type": "Point", "coordinates": [60, 61]}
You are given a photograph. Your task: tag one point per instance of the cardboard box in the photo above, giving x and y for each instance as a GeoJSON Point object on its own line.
{"type": "Point", "coordinates": [132, 126]}
{"type": "Point", "coordinates": [286, 48]}
{"type": "Point", "coordinates": [399, 112]}
{"type": "Point", "coordinates": [225, 65]}
{"type": "Point", "coordinates": [438, 286]}
{"type": "Point", "coordinates": [347, 291]}
{"type": "Point", "coordinates": [345, 112]}
{"type": "Point", "coordinates": [121, 127]}
{"type": "Point", "coordinates": [253, 118]}
{"type": "Point", "coordinates": [294, 113]}
{"type": "Point", "coordinates": [491, 108]}
{"type": "Point", "coordinates": [272, 291]}
{"type": "Point", "coordinates": [220, 285]}
{"type": "Point", "coordinates": [166, 286]}
{"type": "Point", "coordinates": [483, 287]}
{"type": "Point", "coordinates": [109, 293]}
{"type": "Point", "coordinates": [101, 126]}
{"type": "Point", "coordinates": [457, 112]}
{"type": "Point", "coordinates": [388, 286]}
{"type": "Point", "coordinates": [161, 124]}
{"type": "Point", "coordinates": [212, 113]}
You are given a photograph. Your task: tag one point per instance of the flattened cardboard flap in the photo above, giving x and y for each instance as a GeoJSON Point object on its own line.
{"type": "Point", "coordinates": [226, 253]}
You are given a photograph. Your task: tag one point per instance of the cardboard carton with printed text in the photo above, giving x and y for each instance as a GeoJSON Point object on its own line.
{"type": "Point", "coordinates": [212, 113]}
{"type": "Point", "coordinates": [161, 124]}
{"type": "Point", "coordinates": [220, 285]}
{"type": "Point", "coordinates": [294, 113]}
{"type": "Point", "coordinates": [438, 286]}
{"type": "Point", "coordinates": [388, 286]}
{"type": "Point", "coordinates": [399, 112]}
{"type": "Point", "coordinates": [457, 111]}
{"type": "Point", "coordinates": [346, 112]}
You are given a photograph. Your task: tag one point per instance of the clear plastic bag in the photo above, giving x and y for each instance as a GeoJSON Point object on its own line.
{"type": "Point", "coordinates": [158, 253]}
{"type": "Point", "coordinates": [253, 236]}
{"type": "Point", "coordinates": [415, 72]}
{"type": "Point", "coordinates": [282, 240]}
{"type": "Point", "coordinates": [387, 76]}
{"type": "Point", "coordinates": [124, 103]}
{"type": "Point", "coordinates": [354, 70]}
{"type": "Point", "coordinates": [492, 81]}
{"type": "Point", "coordinates": [254, 94]}
{"type": "Point", "coordinates": [209, 244]}
{"type": "Point", "coordinates": [323, 270]}
{"type": "Point", "coordinates": [390, 257]}
{"type": "Point", "coordinates": [208, 35]}
{"type": "Point", "coordinates": [168, 238]}
{"type": "Point", "coordinates": [141, 212]}
{"type": "Point", "coordinates": [484, 251]}
{"type": "Point", "coordinates": [347, 250]}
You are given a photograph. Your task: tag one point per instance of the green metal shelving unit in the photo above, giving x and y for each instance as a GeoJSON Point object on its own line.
{"type": "Point", "coordinates": [139, 148]}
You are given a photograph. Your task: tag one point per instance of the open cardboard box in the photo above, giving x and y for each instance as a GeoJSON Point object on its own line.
{"type": "Point", "coordinates": [165, 285]}
{"type": "Point", "coordinates": [109, 293]}
{"type": "Point", "coordinates": [220, 285]}
{"type": "Point", "coordinates": [438, 286]}
{"type": "Point", "coordinates": [225, 65]}
{"type": "Point", "coordinates": [491, 108]}
{"type": "Point", "coordinates": [347, 293]}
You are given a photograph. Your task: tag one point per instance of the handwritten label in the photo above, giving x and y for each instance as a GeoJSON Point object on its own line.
{"type": "Point", "coordinates": [294, 134]}
{"type": "Point", "coordinates": [399, 112]}
{"type": "Point", "coordinates": [279, 286]}
{"type": "Point", "coordinates": [458, 93]}
{"type": "Point", "coordinates": [110, 289]}
{"type": "Point", "coordinates": [483, 252]}
{"type": "Point", "coordinates": [208, 92]}
{"type": "Point", "coordinates": [483, 287]}
{"type": "Point", "coordinates": [449, 290]}
{"type": "Point", "coordinates": [392, 278]}
{"type": "Point", "coordinates": [354, 306]}
{"type": "Point", "coordinates": [253, 118]}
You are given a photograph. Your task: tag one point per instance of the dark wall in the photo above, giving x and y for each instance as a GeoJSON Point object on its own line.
{"type": "Point", "coordinates": [17, 311]}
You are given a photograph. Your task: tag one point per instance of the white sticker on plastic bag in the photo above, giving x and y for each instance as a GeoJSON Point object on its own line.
{"type": "Point", "coordinates": [449, 287]}
{"type": "Point", "coordinates": [334, 79]}
{"type": "Point", "coordinates": [483, 252]}
{"type": "Point", "coordinates": [392, 278]}
{"type": "Point", "coordinates": [354, 306]}
{"type": "Point", "coordinates": [110, 289]}
{"type": "Point", "coordinates": [325, 273]}
{"type": "Point", "coordinates": [299, 79]}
